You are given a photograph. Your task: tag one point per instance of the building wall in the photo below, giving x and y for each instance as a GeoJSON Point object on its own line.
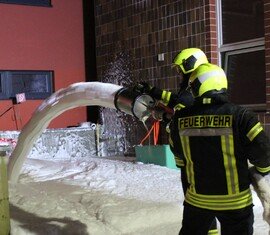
{"type": "Point", "coordinates": [267, 56]}
{"type": "Point", "coordinates": [42, 38]}
{"type": "Point", "coordinates": [144, 29]}
{"type": "Point", "coordinates": [136, 32]}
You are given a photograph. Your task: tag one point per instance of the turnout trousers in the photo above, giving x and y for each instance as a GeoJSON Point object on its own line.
{"type": "Point", "coordinates": [197, 221]}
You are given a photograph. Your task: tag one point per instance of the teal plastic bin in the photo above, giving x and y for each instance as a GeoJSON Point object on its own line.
{"type": "Point", "coordinates": [155, 154]}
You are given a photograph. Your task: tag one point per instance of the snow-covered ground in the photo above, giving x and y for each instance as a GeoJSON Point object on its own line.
{"type": "Point", "coordinates": [100, 196]}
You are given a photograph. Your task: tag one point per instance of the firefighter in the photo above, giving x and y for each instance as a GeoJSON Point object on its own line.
{"type": "Point", "coordinates": [184, 63]}
{"type": "Point", "coordinates": [216, 139]}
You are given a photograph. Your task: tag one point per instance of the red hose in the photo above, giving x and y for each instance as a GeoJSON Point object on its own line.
{"type": "Point", "coordinates": [155, 129]}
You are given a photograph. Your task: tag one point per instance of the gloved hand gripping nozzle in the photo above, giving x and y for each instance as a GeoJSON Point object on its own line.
{"type": "Point", "coordinates": [134, 103]}
{"type": "Point", "coordinates": [140, 105]}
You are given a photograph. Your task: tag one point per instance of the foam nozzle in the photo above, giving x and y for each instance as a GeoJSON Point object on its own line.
{"type": "Point", "coordinates": [134, 103]}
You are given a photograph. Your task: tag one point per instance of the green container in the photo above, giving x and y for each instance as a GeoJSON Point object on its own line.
{"type": "Point", "coordinates": [155, 154]}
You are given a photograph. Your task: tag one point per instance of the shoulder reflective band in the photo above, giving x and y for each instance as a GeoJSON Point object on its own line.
{"type": "Point", "coordinates": [254, 131]}
{"type": "Point", "coordinates": [165, 97]}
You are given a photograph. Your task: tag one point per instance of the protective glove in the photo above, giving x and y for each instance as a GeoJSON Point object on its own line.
{"type": "Point", "coordinates": [142, 87]}
{"type": "Point", "coordinates": [161, 112]}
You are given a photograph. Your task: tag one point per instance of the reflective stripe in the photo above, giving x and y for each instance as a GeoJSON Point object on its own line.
{"type": "Point", "coordinates": [170, 141]}
{"type": "Point", "coordinates": [165, 97]}
{"type": "Point", "coordinates": [254, 131]}
{"type": "Point", "coordinates": [220, 202]}
{"type": "Point", "coordinates": [202, 78]}
{"type": "Point", "coordinates": [178, 107]}
{"type": "Point", "coordinates": [207, 100]}
{"type": "Point", "coordinates": [179, 162]}
{"type": "Point", "coordinates": [205, 132]}
{"type": "Point", "coordinates": [189, 166]}
{"type": "Point", "coordinates": [213, 232]}
{"type": "Point", "coordinates": [263, 169]}
{"type": "Point", "coordinates": [230, 164]}
{"type": "Point", "coordinates": [168, 130]}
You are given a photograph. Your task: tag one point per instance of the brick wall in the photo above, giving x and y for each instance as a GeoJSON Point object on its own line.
{"type": "Point", "coordinates": [144, 29]}
{"type": "Point", "coordinates": [211, 31]}
{"type": "Point", "coordinates": [133, 33]}
{"type": "Point", "coordinates": [267, 52]}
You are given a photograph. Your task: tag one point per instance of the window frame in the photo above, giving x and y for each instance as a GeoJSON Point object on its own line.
{"type": "Point", "coordinates": [227, 54]}
{"type": "Point", "coordinates": [240, 47]}
{"type": "Point", "coordinates": [8, 92]}
{"type": "Point", "coordinates": [41, 3]}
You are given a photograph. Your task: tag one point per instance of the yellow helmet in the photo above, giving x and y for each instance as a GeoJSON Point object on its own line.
{"type": "Point", "coordinates": [207, 77]}
{"type": "Point", "coordinates": [189, 59]}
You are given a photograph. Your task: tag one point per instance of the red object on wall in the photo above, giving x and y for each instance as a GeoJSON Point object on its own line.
{"type": "Point", "coordinates": [43, 38]}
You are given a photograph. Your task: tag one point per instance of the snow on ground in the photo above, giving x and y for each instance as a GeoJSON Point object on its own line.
{"type": "Point", "coordinates": [101, 197]}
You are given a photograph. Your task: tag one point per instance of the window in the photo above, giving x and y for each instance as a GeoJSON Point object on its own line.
{"type": "Point", "coordinates": [44, 3]}
{"type": "Point", "coordinates": [35, 84]}
{"type": "Point", "coordinates": [246, 71]}
{"type": "Point", "coordinates": [241, 46]}
{"type": "Point", "coordinates": [242, 21]}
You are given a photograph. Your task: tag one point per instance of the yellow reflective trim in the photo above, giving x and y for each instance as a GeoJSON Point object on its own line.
{"type": "Point", "coordinates": [189, 162]}
{"type": "Point", "coordinates": [168, 130]}
{"type": "Point", "coordinates": [263, 169]}
{"type": "Point", "coordinates": [213, 232]}
{"type": "Point", "coordinates": [178, 107]}
{"type": "Point", "coordinates": [230, 164]}
{"type": "Point", "coordinates": [225, 160]}
{"type": "Point", "coordinates": [179, 162]}
{"type": "Point", "coordinates": [222, 198]}
{"type": "Point", "coordinates": [254, 131]}
{"type": "Point", "coordinates": [170, 141]}
{"type": "Point", "coordinates": [218, 206]}
{"type": "Point", "coordinates": [165, 97]}
{"type": "Point", "coordinates": [207, 100]}
{"type": "Point", "coordinates": [220, 202]}
{"type": "Point", "coordinates": [235, 178]}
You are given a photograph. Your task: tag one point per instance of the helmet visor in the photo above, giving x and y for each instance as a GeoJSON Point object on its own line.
{"type": "Point", "coordinates": [189, 63]}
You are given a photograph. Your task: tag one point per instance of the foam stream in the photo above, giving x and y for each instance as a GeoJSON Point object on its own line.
{"type": "Point", "coordinates": [76, 95]}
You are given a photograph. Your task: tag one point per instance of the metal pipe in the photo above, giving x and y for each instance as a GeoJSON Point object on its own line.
{"type": "Point", "coordinates": [134, 103]}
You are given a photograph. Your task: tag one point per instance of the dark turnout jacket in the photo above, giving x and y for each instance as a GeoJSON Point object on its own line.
{"type": "Point", "coordinates": [174, 100]}
{"type": "Point", "coordinates": [214, 140]}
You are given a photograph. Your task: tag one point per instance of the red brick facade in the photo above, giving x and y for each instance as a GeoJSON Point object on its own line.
{"type": "Point", "coordinates": [144, 29]}
{"type": "Point", "coordinates": [211, 30]}
{"type": "Point", "coordinates": [267, 50]}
